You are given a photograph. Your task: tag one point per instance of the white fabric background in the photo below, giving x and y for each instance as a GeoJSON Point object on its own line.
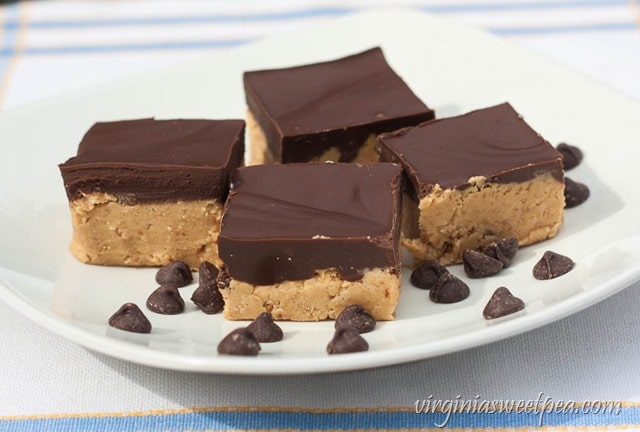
{"type": "Point", "coordinates": [598, 38]}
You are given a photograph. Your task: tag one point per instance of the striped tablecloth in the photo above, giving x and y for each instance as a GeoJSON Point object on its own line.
{"type": "Point", "coordinates": [575, 365]}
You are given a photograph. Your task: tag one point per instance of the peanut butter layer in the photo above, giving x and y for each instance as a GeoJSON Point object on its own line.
{"type": "Point", "coordinates": [305, 111]}
{"type": "Point", "coordinates": [144, 192]}
{"type": "Point", "coordinates": [108, 232]}
{"type": "Point", "coordinates": [322, 296]}
{"type": "Point", "coordinates": [448, 221]}
{"type": "Point", "coordinates": [473, 179]}
{"type": "Point", "coordinates": [259, 153]}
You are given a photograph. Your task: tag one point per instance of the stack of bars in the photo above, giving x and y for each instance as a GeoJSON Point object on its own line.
{"type": "Point", "coordinates": [347, 164]}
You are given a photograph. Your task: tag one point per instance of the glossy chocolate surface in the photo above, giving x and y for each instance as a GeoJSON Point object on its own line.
{"type": "Point", "coordinates": [156, 160]}
{"type": "Point", "coordinates": [284, 222]}
{"type": "Point", "coordinates": [495, 143]}
{"type": "Point", "coordinates": [305, 110]}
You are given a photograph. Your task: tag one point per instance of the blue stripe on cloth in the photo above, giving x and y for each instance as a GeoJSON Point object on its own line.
{"type": "Point", "coordinates": [614, 26]}
{"type": "Point", "coordinates": [8, 37]}
{"type": "Point", "coordinates": [186, 19]}
{"type": "Point", "coordinates": [320, 420]}
{"type": "Point", "coordinates": [7, 49]}
{"type": "Point", "coordinates": [530, 5]}
{"type": "Point", "coordinates": [309, 13]}
{"type": "Point", "coordinates": [132, 47]}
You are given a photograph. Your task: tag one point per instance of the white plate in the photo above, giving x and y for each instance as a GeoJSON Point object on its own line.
{"type": "Point", "coordinates": [454, 69]}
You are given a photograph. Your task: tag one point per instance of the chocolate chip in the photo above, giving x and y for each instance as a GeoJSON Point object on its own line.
{"type": "Point", "coordinates": [347, 340]}
{"type": "Point", "coordinates": [552, 265]}
{"type": "Point", "coordinates": [449, 289]}
{"type": "Point", "coordinates": [239, 342]}
{"type": "Point", "coordinates": [166, 300]}
{"type": "Point", "coordinates": [208, 298]}
{"type": "Point", "coordinates": [175, 273]}
{"type": "Point", "coordinates": [426, 275]}
{"type": "Point", "coordinates": [264, 329]}
{"type": "Point", "coordinates": [574, 193]}
{"type": "Point", "coordinates": [503, 250]}
{"type": "Point", "coordinates": [502, 303]}
{"type": "Point", "coordinates": [223, 280]}
{"type": "Point", "coordinates": [478, 265]}
{"type": "Point", "coordinates": [130, 318]}
{"type": "Point", "coordinates": [207, 273]}
{"type": "Point", "coordinates": [357, 318]}
{"type": "Point", "coordinates": [571, 155]}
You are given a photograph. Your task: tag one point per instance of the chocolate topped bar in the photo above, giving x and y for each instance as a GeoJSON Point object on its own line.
{"type": "Point", "coordinates": [147, 192]}
{"type": "Point", "coordinates": [284, 222]}
{"type": "Point", "coordinates": [474, 179]}
{"type": "Point", "coordinates": [306, 110]}
{"type": "Point", "coordinates": [494, 143]}
{"type": "Point", "coordinates": [156, 160]}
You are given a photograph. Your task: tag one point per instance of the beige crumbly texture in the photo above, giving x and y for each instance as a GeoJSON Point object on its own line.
{"type": "Point", "coordinates": [261, 154]}
{"type": "Point", "coordinates": [320, 297]}
{"type": "Point", "coordinates": [144, 234]}
{"type": "Point", "coordinates": [448, 221]}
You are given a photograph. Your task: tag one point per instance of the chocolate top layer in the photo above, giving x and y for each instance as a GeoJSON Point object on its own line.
{"type": "Point", "coordinates": [494, 143]}
{"type": "Point", "coordinates": [156, 160]}
{"type": "Point", "coordinates": [284, 222]}
{"type": "Point", "coordinates": [305, 110]}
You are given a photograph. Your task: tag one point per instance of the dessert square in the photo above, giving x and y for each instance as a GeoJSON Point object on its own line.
{"type": "Point", "coordinates": [330, 111]}
{"type": "Point", "coordinates": [474, 179]}
{"type": "Point", "coordinates": [145, 192]}
{"type": "Point", "coordinates": [303, 241]}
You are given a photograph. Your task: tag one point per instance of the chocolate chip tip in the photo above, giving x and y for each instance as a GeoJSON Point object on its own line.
{"type": "Point", "coordinates": [207, 298]}
{"type": "Point", "coordinates": [449, 289]}
{"type": "Point", "coordinates": [479, 265]}
{"type": "Point", "coordinates": [502, 303]}
{"type": "Point", "coordinates": [426, 274]}
{"type": "Point", "coordinates": [503, 250]}
{"type": "Point", "coordinates": [207, 272]}
{"type": "Point", "coordinates": [575, 193]}
{"type": "Point", "coordinates": [166, 300]}
{"type": "Point", "coordinates": [129, 317]}
{"type": "Point", "coordinates": [571, 155]}
{"type": "Point", "coordinates": [265, 329]}
{"type": "Point", "coordinates": [355, 317]}
{"type": "Point", "coordinates": [239, 342]}
{"type": "Point", "coordinates": [174, 273]}
{"type": "Point", "coordinates": [552, 265]}
{"type": "Point", "coordinates": [345, 341]}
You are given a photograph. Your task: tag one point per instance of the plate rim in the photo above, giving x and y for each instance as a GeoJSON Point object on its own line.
{"type": "Point", "coordinates": [340, 363]}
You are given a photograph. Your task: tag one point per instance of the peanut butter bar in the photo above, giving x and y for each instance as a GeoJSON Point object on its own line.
{"type": "Point", "coordinates": [146, 192]}
{"type": "Point", "coordinates": [304, 241]}
{"type": "Point", "coordinates": [327, 111]}
{"type": "Point", "coordinates": [475, 179]}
